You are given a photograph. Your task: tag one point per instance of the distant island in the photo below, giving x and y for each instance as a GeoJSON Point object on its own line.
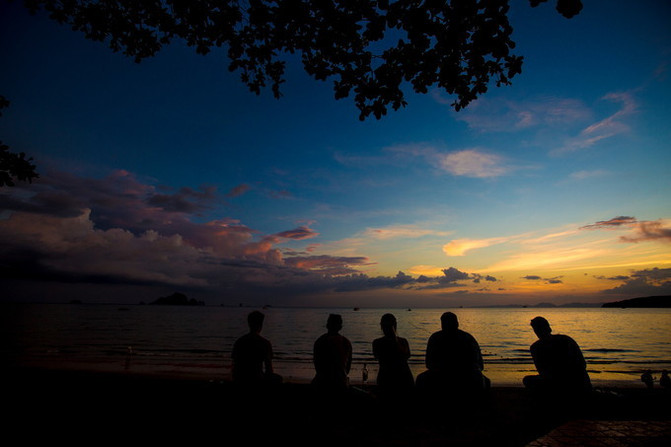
{"type": "Point", "coordinates": [178, 299]}
{"type": "Point", "coordinates": [649, 301]}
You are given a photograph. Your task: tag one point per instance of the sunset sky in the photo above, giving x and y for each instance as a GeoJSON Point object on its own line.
{"type": "Point", "coordinates": [169, 175]}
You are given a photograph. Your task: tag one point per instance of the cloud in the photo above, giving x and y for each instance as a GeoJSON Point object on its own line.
{"type": "Point", "coordinates": [615, 222]}
{"type": "Point", "coordinates": [659, 230]}
{"type": "Point", "coordinates": [298, 234]}
{"type": "Point", "coordinates": [584, 175]}
{"type": "Point", "coordinates": [643, 230]}
{"type": "Point", "coordinates": [472, 163]}
{"type": "Point", "coordinates": [459, 247]}
{"type": "Point", "coordinates": [501, 115]}
{"type": "Point", "coordinates": [554, 280]}
{"type": "Point", "coordinates": [452, 275]}
{"type": "Point", "coordinates": [118, 230]}
{"type": "Point", "coordinates": [402, 232]}
{"type": "Point", "coordinates": [239, 190]}
{"type": "Point", "coordinates": [608, 127]}
{"type": "Point", "coordinates": [330, 265]}
{"type": "Point", "coordinates": [646, 282]}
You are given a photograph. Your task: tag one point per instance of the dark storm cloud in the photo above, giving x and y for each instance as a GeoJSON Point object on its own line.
{"type": "Point", "coordinates": [120, 230]}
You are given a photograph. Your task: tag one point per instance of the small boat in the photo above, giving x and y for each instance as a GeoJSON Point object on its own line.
{"type": "Point", "coordinates": [356, 308]}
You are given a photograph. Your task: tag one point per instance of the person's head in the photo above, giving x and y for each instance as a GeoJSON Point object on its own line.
{"type": "Point", "coordinates": [449, 322]}
{"type": "Point", "coordinates": [334, 323]}
{"type": "Point", "coordinates": [541, 327]}
{"type": "Point", "coordinates": [388, 324]}
{"type": "Point", "coordinates": [255, 321]}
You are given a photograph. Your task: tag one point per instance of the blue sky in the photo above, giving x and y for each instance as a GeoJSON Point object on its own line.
{"type": "Point", "coordinates": [313, 206]}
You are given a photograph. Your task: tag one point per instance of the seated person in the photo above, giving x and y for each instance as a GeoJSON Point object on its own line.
{"type": "Point", "coordinates": [392, 352]}
{"type": "Point", "coordinates": [332, 356]}
{"type": "Point", "coordinates": [252, 355]}
{"type": "Point", "coordinates": [453, 360]}
{"type": "Point", "coordinates": [559, 361]}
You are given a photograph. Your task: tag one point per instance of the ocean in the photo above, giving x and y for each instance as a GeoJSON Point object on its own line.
{"type": "Point", "coordinates": [618, 344]}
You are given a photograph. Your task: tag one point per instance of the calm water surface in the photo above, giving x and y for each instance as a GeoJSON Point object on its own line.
{"type": "Point", "coordinates": [618, 344]}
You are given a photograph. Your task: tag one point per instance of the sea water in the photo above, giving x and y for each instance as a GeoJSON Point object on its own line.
{"type": "Point", "coordinates": [618, 344]}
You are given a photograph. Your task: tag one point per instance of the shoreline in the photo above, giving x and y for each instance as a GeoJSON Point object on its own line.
{"type": "Point", "coordinates": [289, 372]}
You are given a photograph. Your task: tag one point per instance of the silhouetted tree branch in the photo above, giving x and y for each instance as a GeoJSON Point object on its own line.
{"type": "Point", "coordinates": [14, 166]}
{"type": "Point", "coordinates": [370, 48]}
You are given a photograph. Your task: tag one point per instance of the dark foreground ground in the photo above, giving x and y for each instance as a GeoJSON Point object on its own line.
{"type": "Point", "coordinates": [78, 408]}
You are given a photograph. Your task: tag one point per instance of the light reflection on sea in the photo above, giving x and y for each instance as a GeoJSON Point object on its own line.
{"type": "Point", "coordinates": [618, 344]}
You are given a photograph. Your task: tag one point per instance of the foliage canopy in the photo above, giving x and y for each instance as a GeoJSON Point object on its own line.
{"type": "Point", "coordinates": [372, 49]}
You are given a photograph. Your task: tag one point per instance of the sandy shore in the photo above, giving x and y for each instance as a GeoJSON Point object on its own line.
{"type": "Point", "coordinates": [104, 408]}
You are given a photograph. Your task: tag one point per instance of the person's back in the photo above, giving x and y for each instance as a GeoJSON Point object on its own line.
{"type": "Point", "coordinates": [559, 361]}
{"type": "Point", "coordinates": [332, 357]}
{"type": "Point", "coordinates": [453, 359]}
{"type": "Point", "coordinates": [250, 354]}
{"type": "Point", "coordinates": [453, 353]}
{"type": "Point", "coordinates": [392, 353]}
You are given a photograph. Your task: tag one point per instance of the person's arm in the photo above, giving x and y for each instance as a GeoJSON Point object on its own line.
{"type": "Point", "coordinates": [268, 361]}
{"type": "Point", "coordinates": [478, 356]}
{"type": "Point", "coordinates": [405, 347]}
{"type": "Point", "coordinates": [576, 353]}
{"type": "Point", "coordinates": [538, 362]}
{"type": "Point", "coordinates": [430, 357]}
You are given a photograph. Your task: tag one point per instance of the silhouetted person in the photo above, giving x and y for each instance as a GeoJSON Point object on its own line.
{"type": "Point", "coordinates": [453, 360]}
{"type": "Point", "coordinates": [253, 355]}
{"type": "Point", "coordinates": [392, 352]}
{"type": "Point", "coordinates": [647, 378]}
{"type": "Point", "coordinates": [559, 361]}
{"type": "Point", "coordinates": [332, 357]}
{"type": "Point", "coordinates": [665, 381]}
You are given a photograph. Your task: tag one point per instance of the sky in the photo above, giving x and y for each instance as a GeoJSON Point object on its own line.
{"type": "Point", "coordinates": [170, 176]}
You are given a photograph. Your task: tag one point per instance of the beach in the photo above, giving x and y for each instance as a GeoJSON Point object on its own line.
{"type": "Point", "coordinates": [84, 407]}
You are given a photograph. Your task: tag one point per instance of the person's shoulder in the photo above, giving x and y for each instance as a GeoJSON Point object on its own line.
{"type": "Point", "coordinates": [562, 338]}
{"type": "Point", "coordinates": [321, 338]}
{"type": "Point", "coordinates": [466, 335]}
{"type": "Point", "coordinates": [436, 335]}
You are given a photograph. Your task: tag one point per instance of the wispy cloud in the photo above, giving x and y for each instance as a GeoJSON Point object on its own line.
{"type": "Point", "coordinates": [584, 174]}
{"type": "Point", "coordinates": [472, 162]}
{"type": "Point", "coordinates": [402, 232]}
{"type": "Point", "coordinates": [238, 190]}
{"type": "Point", "coordinates": [615, 222]}
{"type": "Point", "coordinates": [610, 126]}
{"type": "Point", "coordinates": [459, 247]}
{"type": "Point", "coordinates": [502, 115]}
